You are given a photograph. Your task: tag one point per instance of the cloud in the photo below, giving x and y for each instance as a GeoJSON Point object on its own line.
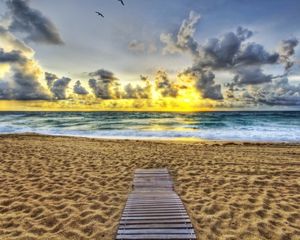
{"type": "Point", "coordinates": [50, 78]}
{"type": "Point", "coordinates": [104, 75]}
{"type": "Point", "coordinates": [24, 78]}
{"type": "Point", "coordinates": [232, 52]}
{"type": "Point", "coordinates": [225, 52]}
{"type": "Point", "coordinates": [206, 85]}
{"type": "Point", "coordinates": [32, 22]}
{"type": "Point", "coordinates": [59, 88]}
{"type": "Point", "coordinates": [105, 85]}
{"type": "Point", "coordinates": [79, 89]}
{"type": "Point", "coordinates": [251, 75]}
{"type": "Point", "coordinates": [11, 43]}
{"type": "Point", "coordinates": [253, 53]}
{"type": "Point", "coordinates": [287, 50]}
{"type": "Point", "coordinates": [136, 46]}
{"type": "Point", "coordinates": [136, 92]}
{"type": "Point", "coordinates": [280, 93]}
{"type": "Point", "coordinates": [243, 33]}
{"type": "Point", "coordinates": [184, 39]}
{"type": "Point", "coordinates": [164, 85]}
{"type": "Point", "coordinates": [11, 57]}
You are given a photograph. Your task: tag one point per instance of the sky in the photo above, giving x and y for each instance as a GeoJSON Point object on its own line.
{"type": "Point", "coordinates": [170, 55]}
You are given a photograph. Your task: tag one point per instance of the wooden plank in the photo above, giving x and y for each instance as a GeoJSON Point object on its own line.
{"type": "Point", "coordinates": [136, 202]}
{"type": "Point", "coordinates": [155, 205]}
{"type": "Point", "coordinates": [126, 211]}
{"type": "Point", "coordinates": [156, 170]}
{"type": "Point", "coordinates": [154, 225]}
{"type": "Point", "coordinates": [166, 194]}
{"type": "Point", "coordinates": [157, 236]}
{"type": "Point", "coordinates": [150, 217]}
{"type": "Point", "coordinates": [155, 199]}
{"type": "Point", "coordinates": [176, 214]}
{"type": "Point", "coordinates": [153, 208]}
{"type": "Point", "coordinates": [155, 231]}
{"type": "Point", "coordinates": [155, 221]}
{"type": "Point", "coordinates": [130, 210]}
{"type": "Point", "coordinates": [154, 211]}
{"type": "Point", "coordinates": [140, 206]}
{"type": "Point", "coordinates": [149, 206]}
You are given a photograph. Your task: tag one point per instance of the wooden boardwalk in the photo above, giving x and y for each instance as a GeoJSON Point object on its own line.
{"type": "Point", "coordinates": [153, 210]}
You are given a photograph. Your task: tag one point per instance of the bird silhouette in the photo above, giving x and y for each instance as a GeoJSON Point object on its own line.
{"type": "Point", "coordinates": [100, 14]}
{"type": "Point", "coordinates": [121, 1]}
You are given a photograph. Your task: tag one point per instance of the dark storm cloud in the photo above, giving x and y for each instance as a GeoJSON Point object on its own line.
{"type": "Point", "coordinates": [50, 78]}
{"type": "Point", "coordinates": [164, 85]}
{"type": "Point", "coordinates": [105, 75]}
{"type": "Point", "coordinates": [253, 53]}
{"type": "Point", "coordinates": [219, 53]}
{"type": "Point", "coordinates": [138, 92]}
{"type": "Point", "coordinates": [280, 92]}
{"type": "Point", "coordinates": [243, 33]}
{"type": "Point", "coordinates": [27, 87]}
{"type": "Point", "coordinates": [251, 75]}
{"type": "Point", "coordinates": [232, 52]}
{"type": "Point", "coordinates": [11, 57]}
{"type": "Point", "coordinates": [105, 84]}
{"type": "Point", "coordinates": [135, 92]}
{"type": "Point", "coordinates": [79, 89]}
{"type": "Point", "coordinates": [287, 50]}
{"type": "Point", "coordinates": [226, 52]}
{"type": "Point", "coordinates": [24, 80]}
{"type": "Point", "coordinates": [32, 22]}
{"type": "Point", "coordinates": [206, 85]}
{"type": "Point", "coordinates": [59, 88]}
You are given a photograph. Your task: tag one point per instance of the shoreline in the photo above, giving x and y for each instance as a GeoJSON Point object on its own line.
{"type": "Point", "coordinates": [166, 140]}
{"type": "Point", "coordinates": [56, 187]}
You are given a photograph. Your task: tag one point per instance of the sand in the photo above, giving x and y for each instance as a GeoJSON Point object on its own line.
{"type": "Point", "coordinates": [76, 188]}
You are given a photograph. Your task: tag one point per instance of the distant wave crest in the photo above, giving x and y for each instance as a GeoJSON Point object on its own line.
{"type": "Point", "coordinates": [233, 126]}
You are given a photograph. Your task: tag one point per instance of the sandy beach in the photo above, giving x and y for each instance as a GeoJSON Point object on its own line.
{"type": "Point", "coordinates": [76, 188]}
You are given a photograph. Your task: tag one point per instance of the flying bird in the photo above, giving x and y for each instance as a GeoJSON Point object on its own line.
{"type": "Point", "coordinates": [121, 1]}
{"type": "Point", "coordinates": [100, 14]}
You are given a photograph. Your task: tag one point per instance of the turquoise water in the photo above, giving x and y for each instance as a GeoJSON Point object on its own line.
{"type": "Point", "coordinates": [244, 126]}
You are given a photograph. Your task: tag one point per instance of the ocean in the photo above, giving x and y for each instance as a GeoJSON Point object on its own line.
{"type": "Point", "coordinates": [241, 126]}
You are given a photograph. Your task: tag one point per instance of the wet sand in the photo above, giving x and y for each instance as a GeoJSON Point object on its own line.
{"type": "Point", "coordinates": [76, 188]}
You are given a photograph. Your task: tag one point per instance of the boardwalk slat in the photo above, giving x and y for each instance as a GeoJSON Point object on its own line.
{"type": "Point", "coordinates": [156, 231]}
{"type": "Point", "coordinates": [157, 217]}
{"type": "Point", "coordinates": [176, 214]}
{"type": "Point", "coordinates": [157, 236]}
{"type": "Point", "coordinates": [156, 226]}
{"type": "Point", "coordinates": [153, 210]}
{"type": "Point", "coordinates": [155, 221]}
{"type": "Point", "coordinates": [153, 206]}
